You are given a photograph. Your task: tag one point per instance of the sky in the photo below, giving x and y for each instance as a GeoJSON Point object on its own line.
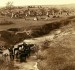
{"type": "Point", "coordinates": [36, 2]}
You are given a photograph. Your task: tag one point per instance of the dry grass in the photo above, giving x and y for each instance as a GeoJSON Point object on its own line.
{"type": "Point", "coordinates": [60, 54]}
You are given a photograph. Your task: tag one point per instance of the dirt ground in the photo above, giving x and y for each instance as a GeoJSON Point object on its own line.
{"type": "Point", "coordinates": [30, 64]}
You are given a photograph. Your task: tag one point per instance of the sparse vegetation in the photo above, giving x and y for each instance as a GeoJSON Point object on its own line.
{"type": "Point", "coordinates": [60, 54]}
{"type": "Point", "coordinates": [5, 22]}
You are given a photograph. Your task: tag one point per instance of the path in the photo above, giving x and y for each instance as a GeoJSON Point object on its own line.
{"type": "Point", "coordinates": [31, 64]}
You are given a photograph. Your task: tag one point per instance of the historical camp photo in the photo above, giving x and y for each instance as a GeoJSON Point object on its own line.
{"type": "Point", "coordinates": [37, 34]}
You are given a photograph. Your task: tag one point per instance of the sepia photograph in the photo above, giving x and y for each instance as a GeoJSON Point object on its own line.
{"type": "Point", "coordinates": [37, 34]}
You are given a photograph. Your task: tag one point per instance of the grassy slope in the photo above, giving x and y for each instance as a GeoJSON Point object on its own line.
{"type": "Point", "coordinates": [60, 54]}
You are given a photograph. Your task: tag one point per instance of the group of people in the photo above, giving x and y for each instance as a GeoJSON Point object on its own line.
{"type": "Point", "coordinates": [20, 52]}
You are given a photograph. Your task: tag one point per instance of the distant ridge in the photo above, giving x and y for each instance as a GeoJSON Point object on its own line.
{"type": "Point", "coordinates": [58, 6]}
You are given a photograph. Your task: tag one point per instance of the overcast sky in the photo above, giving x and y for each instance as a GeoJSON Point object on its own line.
{"type": "Point", "coordinates": [36, 2]}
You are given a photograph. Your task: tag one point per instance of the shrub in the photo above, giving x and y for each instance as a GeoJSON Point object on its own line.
{"type": "Point", "coordinates": [45, 45]}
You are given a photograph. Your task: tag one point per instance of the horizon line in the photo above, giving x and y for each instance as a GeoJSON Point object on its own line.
{"type": "Point", "coordinates": [41, 5]}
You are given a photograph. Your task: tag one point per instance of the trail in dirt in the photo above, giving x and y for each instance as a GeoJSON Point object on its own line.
{"type": "Point", "coordinates": [31, 64]}
{"type": "Point", "coordinates": [43, 38]}
{"type": "Point", "coordinates": [50, 37]}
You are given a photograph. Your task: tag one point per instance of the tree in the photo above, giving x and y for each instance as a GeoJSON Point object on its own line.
{"type": "Point", "coordinates": [9, 5]}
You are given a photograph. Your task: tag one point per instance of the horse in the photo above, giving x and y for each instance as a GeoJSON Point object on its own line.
{"type": "Point", "coordinates": [25, 52]}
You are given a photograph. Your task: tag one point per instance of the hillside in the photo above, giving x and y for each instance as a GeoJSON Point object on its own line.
{"type": "Point", "coordinates": [59, 54]}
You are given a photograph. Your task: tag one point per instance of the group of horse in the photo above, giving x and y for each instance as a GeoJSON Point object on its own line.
{"type": "Point", "coordinates": [21, 52]}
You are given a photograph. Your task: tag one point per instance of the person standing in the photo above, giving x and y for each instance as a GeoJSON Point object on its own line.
{"type": "Point", "coordinates": [6, 56]}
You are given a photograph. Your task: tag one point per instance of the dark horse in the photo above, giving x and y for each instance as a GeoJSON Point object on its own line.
{"type": "Point", "coordinates": [25, 52]}
{"type": "Point", "coordinates": [22, 51]}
